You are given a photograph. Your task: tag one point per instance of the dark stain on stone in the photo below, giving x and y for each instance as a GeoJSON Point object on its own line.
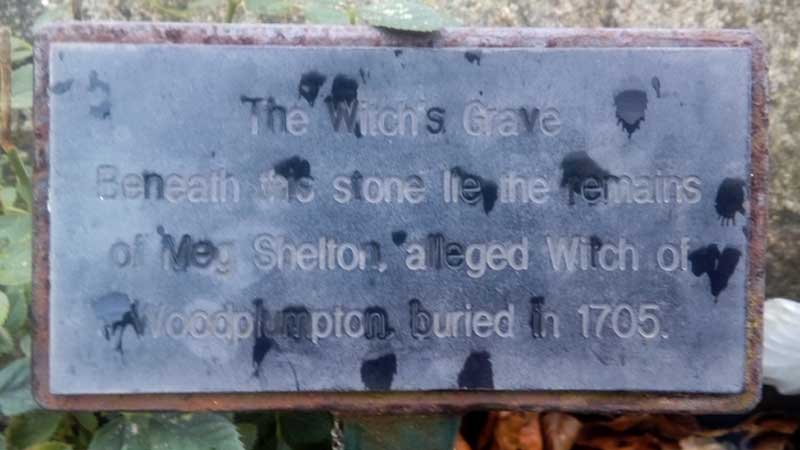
{"type": "Point", "coordinates": [477, 372]}
{"type": "Point", "coordinates": [656, 83]}
{"type": "Point", "coordinates": [364, 74]}
{"type": "Point", "coordinates": [262, 343]}
{"type": "Point", "coordinates": [577, 167]}
{"type": "Point", "coordinates": [62, 87]}
{"type": "Point", "coordinates": [718, 266]}
{"type": "Point", "coordinates": [397, 53]}
{"type": "Point", "coordinates": [631, 105]}
{"type": "Point", "coordinates": [117, 312]}
{"type": "Point", "coordinates": [730, 200]}
{"type": "Point", "coordinates": [294, 168]}
{"type": "Point", "coordinates": [378, 374]}
{"type": "Point", "coordinates": [96, 83]}
{"type": "Point", "coordinates": [399, 237]}
{"type": "Point", "coordinates": [473, 57]}
{"type": "Point", "coordinates": [310, 84]}
{"type": "Point", "coordinates": [101, 111]}
{"type": "Point", "coordinates": [489, 190]}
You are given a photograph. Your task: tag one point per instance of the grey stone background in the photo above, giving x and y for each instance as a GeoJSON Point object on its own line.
{"type": "Point", "coordinates": [776, 21]}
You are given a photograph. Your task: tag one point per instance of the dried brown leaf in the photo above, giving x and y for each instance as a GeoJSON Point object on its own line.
{"type": "Point", "coordinates": [517, 431]}
{"type": "Point", "coordinates": [772, 442]}
{"type": "Point", "coordinates": [616, 441]}
{"type": "Point", "coordinates": [560, 430]}
{"type": "Point", "coordinates": [673, 427]}
{"type": "Point", "coordinates": [700, 443]}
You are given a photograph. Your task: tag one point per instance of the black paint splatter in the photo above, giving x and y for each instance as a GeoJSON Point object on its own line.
{"type": "Point", "coordinates": [631, 105]}
{"type": "Point", "coordinates": [577, 167]}
{"type": "Point", "coordinates": [310, 83]}
{"type": "Point", "coordinates": [117, 312]}
{"type": "Point", "coordinates": [473, 57]}
{"type": "Point", "coordinates": [595, 243]}
{"type": "Point", "coordinates": [399, 237]}
{"type": "Point", "coordinates": [376, 323]}
{"type": "Point", "coordinates": [102, 110]}
{"type": "Point", "coordinates": [730, 200]}
{"type": "Point", "coordinates": [262, 344]}
{"type": "Point", "coordinates": [656, 83]}
{"type": "Point", "coordinates": [296, 322]}
{"type": "Point", "coordinates": [62, 87]}
{"type": "Point", "coordinates": [294, 168]}
{"type": "Point", "coordinates": [356, 180]}
{"type": "Point", "coordinates": [718, 266]}
{"type": "Point", "coordinates": [477, 372]}
{"type": "Point", "coordinates": [489, 190]}
{"type": "Point", "coordinates": [344, 90]}
{"type": "Point", "coordinates": [378, 374]}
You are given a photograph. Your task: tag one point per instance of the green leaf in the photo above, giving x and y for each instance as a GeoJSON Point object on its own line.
{"type": "Point", "coordinates": [20, 50]}
{"type": "Point", "coordinates": [8, 196]}
{"type": "Point", "coordinates": [332, 12]}
{"type": "Point", "coordinates": [7, 345]}
{"type": "Point", "coordinates": [50, 446]}
{"type": "Point", "coordinates": [24, 186]}
{"type": "Point", "coordinates": [407, 15]}
{"type": "Point", "coordinates": [5, 308]}
{"type": "Point", "coordinates": [400, 432]}
{"type": "Point", "coordinates": [196, 5]}
{"type": "Point", "coordinates": [305, 431]}
{"type": "Point", "coordinates": [15, 388]}
{"type": "Point", "coordinates": [25, 345]}
{"type": "Point", "coordinates": [22, 87]}
{"type": "Point", "coordinates": [269, 7]}
{"type": "Point", "coordinates": [32, 428]}
{"type": "Point", "coordinates": [168, 431]}
{"type": "Point", "coordinates": [87, 420]}
{"type": "Point", "coordinates": [15, 249]}
{"type": "Point", "coordinates": [248, 434]}
{"type": "Point", "coordinates": [19, 296]}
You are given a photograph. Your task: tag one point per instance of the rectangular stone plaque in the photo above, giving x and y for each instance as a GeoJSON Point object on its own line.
{"type": "Point", "coordinates": [445, 226]}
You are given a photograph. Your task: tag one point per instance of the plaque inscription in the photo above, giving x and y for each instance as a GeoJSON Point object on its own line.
{"type": "Point", "coordinates": [266, 219]}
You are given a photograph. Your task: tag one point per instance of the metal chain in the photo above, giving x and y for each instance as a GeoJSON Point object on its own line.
{"type": "Point", "coordinates": [337, 435]}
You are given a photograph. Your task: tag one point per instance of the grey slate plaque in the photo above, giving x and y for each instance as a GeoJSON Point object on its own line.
{"type": "Point", "coordinates": [269, 219]}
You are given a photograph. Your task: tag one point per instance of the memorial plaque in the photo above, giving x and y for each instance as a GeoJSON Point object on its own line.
{"type": "Point", "coordinates": [443, 223]}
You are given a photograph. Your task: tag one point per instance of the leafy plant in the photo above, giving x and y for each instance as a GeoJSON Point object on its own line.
{"type": "Point", "coordinates": [405, 15]}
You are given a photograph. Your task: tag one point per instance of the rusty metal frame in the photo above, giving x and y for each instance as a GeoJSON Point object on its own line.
{"type": "Point", "coordinates": [402, 402]}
